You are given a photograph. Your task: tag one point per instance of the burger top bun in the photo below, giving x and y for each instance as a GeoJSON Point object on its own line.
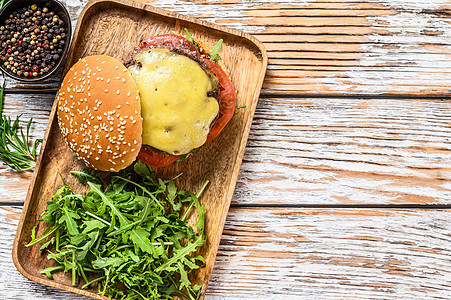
{"type": "Point", "coordinates": [99, 113]}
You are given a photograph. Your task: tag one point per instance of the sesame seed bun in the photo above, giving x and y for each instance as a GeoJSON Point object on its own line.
{"type": "Point", "coordinates": [99, 113]}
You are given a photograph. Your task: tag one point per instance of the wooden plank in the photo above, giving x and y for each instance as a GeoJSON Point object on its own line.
{"type": "Point", "coordinates": [347, 151]}
{"type": "Point", "coordinates": [319, 151]}
{"type": "Point", "coordinates": [304, 254]}
{"type": "Point", "coordinates": [395, 43]}
{"type": "Point", "coordinates": [396, 47]}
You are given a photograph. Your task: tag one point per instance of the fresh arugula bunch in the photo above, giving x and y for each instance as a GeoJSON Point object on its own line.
{"type": "Point", "coordinates": [15, 149]}
{"type": "Point", "coordinates": [131, 238]}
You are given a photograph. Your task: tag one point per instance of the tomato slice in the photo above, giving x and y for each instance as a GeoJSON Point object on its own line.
{"type": "Point", "coordinates": [227, 99]}
{"type": "Point", "coordinates": [154, 159]}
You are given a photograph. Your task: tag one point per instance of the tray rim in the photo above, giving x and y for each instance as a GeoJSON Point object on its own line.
{"type": "Point", "coordinates": [240, 153]}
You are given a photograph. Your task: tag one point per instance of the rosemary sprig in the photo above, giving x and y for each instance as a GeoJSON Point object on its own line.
{"type": "Point", "coordinates": [15, 147]}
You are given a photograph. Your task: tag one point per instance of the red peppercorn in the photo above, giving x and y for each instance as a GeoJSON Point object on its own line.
{"type": "Point", "coordinates": [8, 51]}
{"type": "Point", "coordinates": [35, 25]}
{"type": "Point", "coordinates": [20, 42]}
{"type": "Point", "coordinates": [31, 74]}
{"type": "Point", "coordinates": [35, 68]}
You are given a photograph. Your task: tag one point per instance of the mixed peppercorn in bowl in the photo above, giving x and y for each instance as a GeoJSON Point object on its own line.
{"type": "Point", "coordinates": [34, 38]}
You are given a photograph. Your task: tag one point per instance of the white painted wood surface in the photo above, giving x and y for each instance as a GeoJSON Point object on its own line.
{"type": "Point", "coordinates": [304, 254]}
{"type": "Point", "coordinates": [344, 119]}
{"type": "Point", "coordinates": [319, 151]}
{"type": "Point", "coordinates": [353, 47]}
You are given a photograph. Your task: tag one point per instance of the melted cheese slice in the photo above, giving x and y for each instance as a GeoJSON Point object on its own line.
{"type": "Point", "coordinates": [175, 108]}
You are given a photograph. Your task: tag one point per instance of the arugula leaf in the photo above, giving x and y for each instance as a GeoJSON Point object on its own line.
{"type": "Point", "coordinates": [185, 156]}
{"type": "Point", "coordinates": [85, 175]}
{"type": "Point", "coordinates": [140, 238]}
{"type": "Point", "coordinates": [68, 217]}
{"type": "Point", "coordinates": [181, 254]}
{"type": "Point", "coordinates": [108, 201]}
{"type": "Point", "coordinates": [107, 261]}
{"type": "Point", "coordinates": [189, 37]}
{"type": "Point", "coordinates": [214, 55]}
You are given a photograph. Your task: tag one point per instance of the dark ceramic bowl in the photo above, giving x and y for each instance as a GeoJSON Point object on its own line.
{"type": "Point", "coordinates": [53, 5]}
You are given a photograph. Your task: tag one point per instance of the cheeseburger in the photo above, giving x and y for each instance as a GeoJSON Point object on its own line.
{"type": "Point", "coordinates": [168, 99]}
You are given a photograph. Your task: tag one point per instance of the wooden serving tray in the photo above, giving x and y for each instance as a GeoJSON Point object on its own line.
{"type": "Point", "coordinates": [115, 27]}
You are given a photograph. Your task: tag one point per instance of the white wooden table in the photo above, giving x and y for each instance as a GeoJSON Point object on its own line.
{"type": "Point", "coordinates": [345, 187]}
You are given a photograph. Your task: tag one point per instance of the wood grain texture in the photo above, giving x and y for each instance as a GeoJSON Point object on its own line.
{"type": "Point", "coordinates": [303, 254]}
{"type": "Point", "coordinates": [320, 151]}
{"type": "Point", "coordinates": [333, 47]}
{"type": "Point", "coordinates": [127, 23]}
{"type": "Point", "coordinates": [348, 151]}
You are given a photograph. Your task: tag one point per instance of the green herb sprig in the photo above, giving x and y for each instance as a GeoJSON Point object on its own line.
{"type": "Point", "coordinates": [2, 3]}
{"type": "Point", "coordinates": [132, 239]}
{"type": "Point", "coordinates": [16, 149]}
{"type": "Point", "coordinates": [214, 55]}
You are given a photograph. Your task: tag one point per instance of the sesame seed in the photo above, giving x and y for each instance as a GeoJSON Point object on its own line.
{"type": "Point", "coordinates": [106, 91]}
{"type": "Point", "coordinates": [119, 106]}
{"type": "Point", "coordinates": [83, 72]}
{"type": "Point", "coordinates": [118, 92]}
{"type": "Point", "coordinates": [116, 67]}
{"type": "Point", "coordinates": [128, 94]}
{"type": "Point", "coordinates": [123, 80]}
{"type": "Point", "coordinates": [98, 58]}
{"type": "Point", "coordinates": [108, 80]}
